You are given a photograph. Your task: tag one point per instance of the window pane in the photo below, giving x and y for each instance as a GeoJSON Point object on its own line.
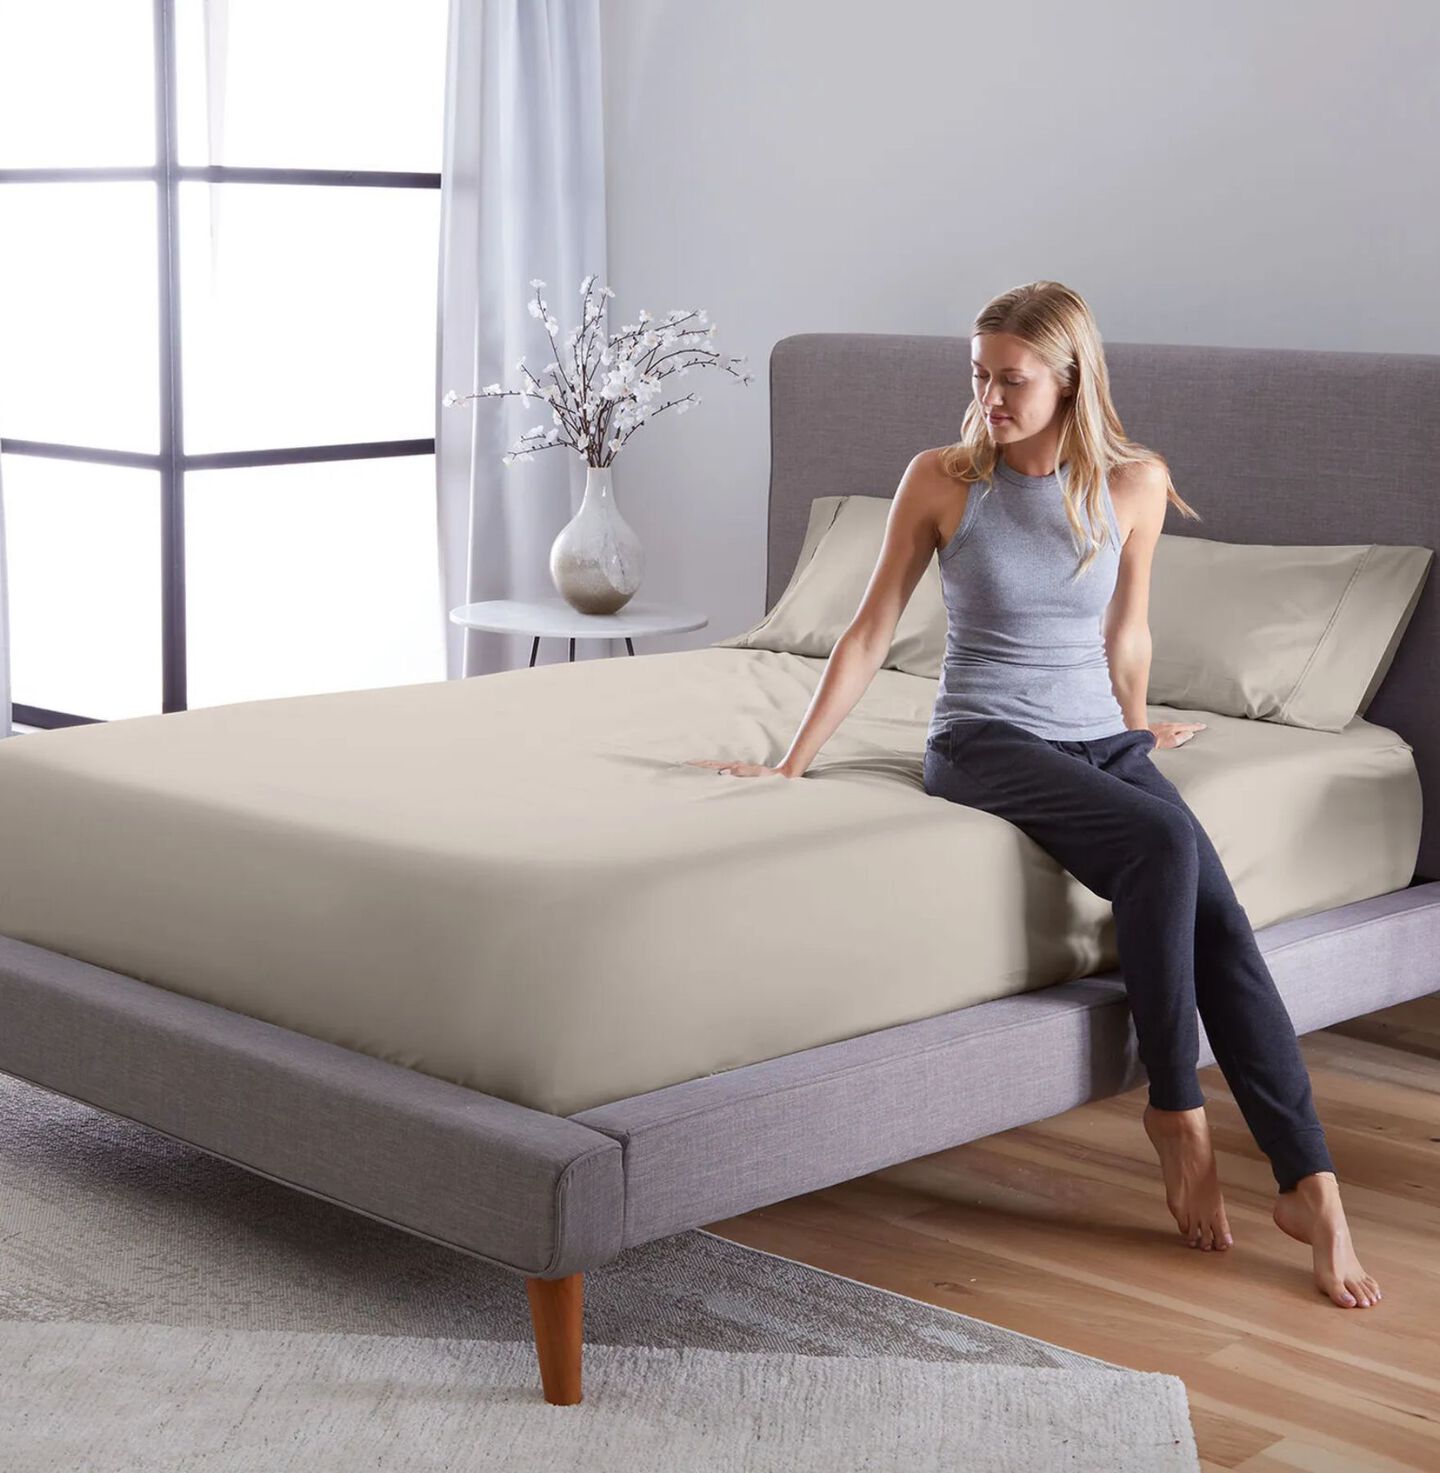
{"type": "Point", "coordinates": [84, 564]}
{"type": "Point", "coordinates": [330, 84]}
{"type": "Point", "coordinates": [308, 314]}
{"type": "Point", "coordinates": [317, 577]}
{"type": "Point", "coordinates": [77, 83]}
{"type": "Point", "coordinates": [79, 326]}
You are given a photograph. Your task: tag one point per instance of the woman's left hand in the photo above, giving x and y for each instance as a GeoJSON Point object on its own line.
{"type": "Point", "coordinates": [1175, 733]}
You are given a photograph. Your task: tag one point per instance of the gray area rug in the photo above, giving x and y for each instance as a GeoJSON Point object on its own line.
{"type": "Point", "coordinates": [161, 1304]}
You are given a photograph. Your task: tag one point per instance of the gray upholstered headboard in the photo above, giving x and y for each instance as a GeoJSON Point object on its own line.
{"type": "Point", "coordinates": [1272, 445]}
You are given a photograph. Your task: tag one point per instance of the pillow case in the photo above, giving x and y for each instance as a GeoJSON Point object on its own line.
{"type": "Point", "coordinates": [1301, 636]}
{"type": "Point", "coordinates": [841, 546]}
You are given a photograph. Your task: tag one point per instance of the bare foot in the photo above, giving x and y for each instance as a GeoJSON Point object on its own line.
{"type": "Point", "coordinates": [1192, 1189]}
{"type": "Point", "coordinates": [1312, 1214]}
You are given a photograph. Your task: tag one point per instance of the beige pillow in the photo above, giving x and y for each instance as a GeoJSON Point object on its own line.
{"type": "Point", "coordinates": [841, 546]}
{"type": "Point", "coordinates": [1301, 636]}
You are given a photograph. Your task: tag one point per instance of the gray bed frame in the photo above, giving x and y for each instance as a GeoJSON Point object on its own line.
{"type": "Point", "coordinates": [1269, 446]}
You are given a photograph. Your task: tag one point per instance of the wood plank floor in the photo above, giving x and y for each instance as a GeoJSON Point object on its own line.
{"type": "Point", "coordinates": [1060, 1230]}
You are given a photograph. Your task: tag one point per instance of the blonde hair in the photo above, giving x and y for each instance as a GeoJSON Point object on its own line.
{"type": "Point", "coordinates": [1058, 326]}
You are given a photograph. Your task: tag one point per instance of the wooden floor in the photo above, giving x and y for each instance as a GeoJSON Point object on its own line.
{"type": "Point", "coordinates": [1060, 1230]}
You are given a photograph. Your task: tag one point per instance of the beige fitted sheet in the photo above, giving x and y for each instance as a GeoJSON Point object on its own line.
{"type": "Point", "coordinates": [515, 881]}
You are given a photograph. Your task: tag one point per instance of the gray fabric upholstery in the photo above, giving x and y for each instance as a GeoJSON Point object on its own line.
{"type": "Point", "coordinates": [1285, 446]}
{"type": "Point", "coordinates": [714, 1147]}
{"type": "Point", "coordinates": [533, 1192]}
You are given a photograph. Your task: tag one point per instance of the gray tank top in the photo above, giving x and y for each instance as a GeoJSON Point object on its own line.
{"type": "Point", "coordinates": [1025, 640]}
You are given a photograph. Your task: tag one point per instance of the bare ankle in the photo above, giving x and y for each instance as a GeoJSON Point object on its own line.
{"type": "Point", "coordinates": [1317, 1184]}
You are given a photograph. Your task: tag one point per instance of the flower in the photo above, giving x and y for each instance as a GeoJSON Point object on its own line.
{"type": "Point", "coordinates": [608, 384]}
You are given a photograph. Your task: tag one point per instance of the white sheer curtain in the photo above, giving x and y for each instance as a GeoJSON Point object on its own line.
{"type": "Point", "coordinates": [6, 728]}
{"type": "Point", "coordinates": [522, 196]}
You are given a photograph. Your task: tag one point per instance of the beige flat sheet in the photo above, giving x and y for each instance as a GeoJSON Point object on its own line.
{"type": "Point", "coordinates": [516, 883]}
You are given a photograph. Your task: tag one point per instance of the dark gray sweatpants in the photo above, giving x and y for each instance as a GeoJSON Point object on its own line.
{"type": "Point", "coordinates": [1106, 812]}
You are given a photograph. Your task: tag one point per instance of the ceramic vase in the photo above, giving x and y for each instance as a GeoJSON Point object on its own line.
{"type": "Point", "coordinates": [596, 562]}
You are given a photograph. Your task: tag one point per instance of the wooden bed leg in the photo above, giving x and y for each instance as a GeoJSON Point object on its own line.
{"type": "Point", "coordinates": [557, 1310]}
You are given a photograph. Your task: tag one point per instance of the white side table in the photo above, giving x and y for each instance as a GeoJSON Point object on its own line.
{"type": "Point", "coordinates": [553, 617]}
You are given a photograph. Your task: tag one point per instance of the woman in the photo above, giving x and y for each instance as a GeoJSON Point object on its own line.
{"type": "Point", "coordinates": [1040, 718]}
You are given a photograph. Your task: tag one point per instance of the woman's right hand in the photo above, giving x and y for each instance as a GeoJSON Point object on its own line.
{"type": "Point", "coordinates": [740, 769]}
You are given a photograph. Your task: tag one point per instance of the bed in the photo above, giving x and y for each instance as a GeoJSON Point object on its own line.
{"type": "Point", "coordinates": [487, 960]}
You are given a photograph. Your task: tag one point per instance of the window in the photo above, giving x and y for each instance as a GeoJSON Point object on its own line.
{"type": "Point", "coordinates": [217, 379]}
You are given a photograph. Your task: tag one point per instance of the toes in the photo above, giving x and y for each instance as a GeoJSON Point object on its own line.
{"type": "Point", "coordinates": [1207, 1236]}
{"type": "Point", "coordinates": [1198, 1233]}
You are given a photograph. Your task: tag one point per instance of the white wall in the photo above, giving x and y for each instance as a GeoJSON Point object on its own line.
{"type": "Point", "coordinates": [1241, 172]}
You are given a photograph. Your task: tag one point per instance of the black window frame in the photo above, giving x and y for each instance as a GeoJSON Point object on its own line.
{"type": "Point", "coordinates": [170, 460]}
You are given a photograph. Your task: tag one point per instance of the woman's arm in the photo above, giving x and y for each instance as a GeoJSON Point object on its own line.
{"type": "Point", "coordinates": [1138, 493]}
{"type": "Point", "coordinates": [911, 533]}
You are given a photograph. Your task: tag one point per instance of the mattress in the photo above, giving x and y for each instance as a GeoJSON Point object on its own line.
{"type": "Point", "coordinates": [516, 882]}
